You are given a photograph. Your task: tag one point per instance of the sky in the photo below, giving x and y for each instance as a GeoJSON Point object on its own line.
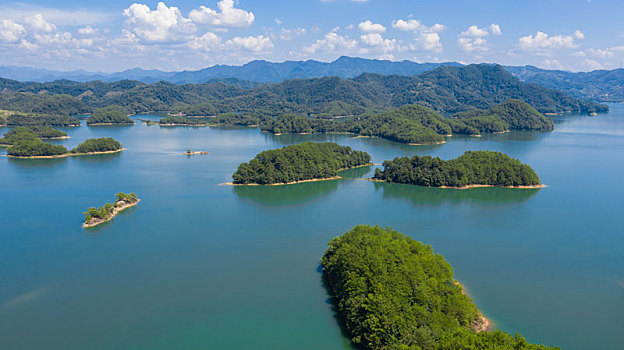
{"type": "Point", "coordinates": [114, 35]}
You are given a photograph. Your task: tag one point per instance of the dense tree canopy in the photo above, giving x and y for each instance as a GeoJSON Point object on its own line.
{"type": "Point", "coordinates": [105, 144]}
{"type": "Point", "coordinates": [30, 133]}
{"type": "Point", "coordinates": [393, 292]}
{"type": "Point", "coordinates": [35, 148]}
{"type": "Point", "coordinates": [110, 115]}
{"type": "Point", "coordinates": [107, 210]}
{"type": "Point", "coordinates": [472, 168]}
{"type": "Point", "coordinates": [29, 119]}
{"type": "Point", "coordinates": [300, 162]}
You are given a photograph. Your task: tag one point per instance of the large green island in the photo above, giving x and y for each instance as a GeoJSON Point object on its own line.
{"type": "Point", "coordinates": [111, 115]}
{"type": "Point", "coordinates": [33, 147]}
{"type": "Point", "coordinates": [392, 292]}
{"type": "Point", "coordinates": [96, 216]}
{"type": "Point", "coordinates": [472, 169]}
{"type": "Point", "coordinates": [308, 161]}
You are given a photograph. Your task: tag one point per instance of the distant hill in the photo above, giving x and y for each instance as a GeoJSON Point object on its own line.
{"type": "Point", "coordinates": [446, 90]}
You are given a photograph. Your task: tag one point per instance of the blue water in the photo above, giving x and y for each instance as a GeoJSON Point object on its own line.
{"type": "Point", "coordinates": [201, 266]}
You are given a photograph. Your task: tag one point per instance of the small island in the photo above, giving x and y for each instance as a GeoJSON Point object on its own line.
{"type": "Point", "coordinates": [472, 169]}
{"type": "Point", "coordinates": [96, 216]}
{"type": "Point", "coordinates": [392, 292]}
{"type": "Point", "coordinates": [111, 115]}
{"type": "Point", "coordinates": [308, 161]}
{"type": "Point", "coordinates": [35, 148]}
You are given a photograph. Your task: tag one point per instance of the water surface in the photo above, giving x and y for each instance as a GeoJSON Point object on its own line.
{"type": "Point", "coordinates": [201, 266]}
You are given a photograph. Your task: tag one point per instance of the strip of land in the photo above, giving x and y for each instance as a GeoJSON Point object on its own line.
{"type": "Point", "coordinates": [68, 155]}
{"type": "Point", "coordinates": [116, 210]}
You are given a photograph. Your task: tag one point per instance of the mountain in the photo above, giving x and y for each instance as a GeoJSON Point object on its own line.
{"type": "Point", "coordinates": [598, 85]}
{"type": "Point", "coordinates": [446, 89]}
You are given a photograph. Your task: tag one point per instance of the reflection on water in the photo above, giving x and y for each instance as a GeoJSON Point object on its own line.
{"type": "Point", "coordinates": [356, 173]}
{"type": "Point", "coordinates": [286, 194]}
{"type": "Point", "coordinates": [425, 196]}
{"type": "Point", "coordinates": [26, 163]}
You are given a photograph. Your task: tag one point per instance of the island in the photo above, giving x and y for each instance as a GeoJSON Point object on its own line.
{"type": "Point", "coordinates": [111, 115]}
{"type": "Point", "coordinates": [472, 169]}
{"type": "Point", "coordinates": [35, 148]}
{"type": "Point", "coordinates": [308, 161]}
{"type": "Point", "coordinates": [96, 216]}
{"type": "Point", "coordinates": [393, 292]}
{"type": "Point", "coordinates": [31, 133]}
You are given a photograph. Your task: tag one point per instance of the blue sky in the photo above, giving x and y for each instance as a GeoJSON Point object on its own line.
{"type": "Point", "coordinates": [577, 35]}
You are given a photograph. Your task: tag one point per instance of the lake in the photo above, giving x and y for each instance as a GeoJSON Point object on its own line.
{"type": "Point", "coordinates": [197, 265]}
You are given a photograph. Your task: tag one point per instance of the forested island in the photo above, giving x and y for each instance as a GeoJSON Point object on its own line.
{"type": "Point", "coordinates": [33, 147]}
{"type": "Point", "coordinates": [472, 169]}
{"type": "Point", "coordinates": [308, 161]}
{"type": "Point", "coordinates": [31, 133]}
{"type": "Point", "coordinates": [96, 216]}
{"type": "Point", "coordinates": [16, 119]}
{"type": "Point", "coordinates": [111, 115]}
{"type": "Point", "coordinates": [392, 292]}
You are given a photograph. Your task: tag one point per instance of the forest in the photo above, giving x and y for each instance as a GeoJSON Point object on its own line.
{"type": "Point", "coordinates": [305, 161]}
{"type": "Point", "coordinates": [392, 292]}
{"type": "Point", "coordinates": [29, 119]}
{"type": "Point", "coordinates": [30, 133]}
{"type": "Point", "coordinates": [104, 144]}
{"type": "Point", "coordinates": [35, 148]}
{"type": "Point", "coordinates": [472, 168]}
{"type": "Point", "coordinates": [109, 115]}
{"type": "Point", "coordinates": [446, 90]}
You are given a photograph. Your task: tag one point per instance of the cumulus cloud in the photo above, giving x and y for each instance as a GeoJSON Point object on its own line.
{"type": "Point", "coordinates": [162, 24]}
{"type": "Point", "coordinates": [541, 42]}
{"type": "Point", "coordinates": [332, 42]}
{"type": "Point", "coordinates": [11, 31]}
{"type": "Point", "coordinates": [590, 64]}
{"type": "Point", "coordinates": [250, 43]}
{"type": "Point", "coordinates": [39, 24]}
{"type": "Point", "coordinates": [377, 42]}
{"type": "Point", "coordinates": [370, 27]}
{"type": "Point", "coordinates": [207, 42]}
{"type": "Point", "coordinates": [88, 30]}
{"type": "Point", "coordinates": [473, 40]}
{"type": "Point", "coordinates": [425, 38]}
{"type": "Point", "coordinates": [227, 16]}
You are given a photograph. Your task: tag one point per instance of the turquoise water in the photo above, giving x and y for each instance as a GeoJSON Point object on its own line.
{"type": "Point", "coordinates": [201, 266]}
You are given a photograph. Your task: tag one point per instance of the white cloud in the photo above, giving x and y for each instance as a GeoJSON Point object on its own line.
{"type": "Point", "coordinates": [370, 27]}
{"type": "Point", "coordinates": [541, 42]}
{"type": "Point", "coordinates": [495, 29]}
{"type": "Point", "coordinates": [376, 41]}
{"type": "Point", "coordinates": [38, 24]}
{"type": "Point", "coordinates": [592, 64]}
{"type": "Point", "coordinates": [331, 42]}
{"type": "Point", "coordinates": [425, 38]}
{"type": "Point", "coordinates": [250, 43]}
{"type": "Point", "coordinates": [11, 31]}
{"type": "Point", "coordinates": [207, 42]}
{"type": "Point", "coordinates": [278, 21]}
{"type": "Point", "coordinates": [552, 64]}
{"type": "Point", "coordinates": [19, 10]}
{"type": "Point", "coordinates": [473, 40]}
{"type": "Point", "coordinates": [289, 34]}
{"type": "Point", "coordinates": [160, 25]}
{"type": "Point", "coordinates": [88, 30]}
{"type": "Point", "coordinates": [228, 17]}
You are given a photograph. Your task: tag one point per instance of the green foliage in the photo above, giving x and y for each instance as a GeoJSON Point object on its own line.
{"type": "Point", "coordinates": [16, 119]}
{"type": "Point", "coordinates": [110, 115]}
{"type": "Point", "coordinates": [472, 168]}
{"type": "Point", "coordinates": [393, 292]}
{"type": "Point", "coordinates": [200, 110]}
{"type": "Point", "coordinates": [304, 161]}
{"type": "Point", "coordinates": [57, 104]}
{"type": "Point", "coordinates": [187, 121]}
{"type": "Point", "coordinates": [35, 148]}
{"type": "Point", "coordinates": [30, 133]}
{"type": "Point", "coordinates": [105, 144]}
{"type": "Point", "coordinates": [107, 210]}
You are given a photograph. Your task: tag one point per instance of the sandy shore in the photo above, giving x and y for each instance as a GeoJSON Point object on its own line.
{"type": "Point", "coordinates": [427, 144]}
{"type": "Point", "coordinates": [55, 138]}
{"type": "Point", "coordinates": [281, 184]}
{"type": "Point", "coordinates": [173, 124]}
{"type": "Point", "coordinates": [483, 324]}
{"type": "Point", "coordinates": [466, 187]}
{"type": "Point", "coordinates": [95, 222]}
{"type": "Point", "coordinates": [98, 124]}
{"type": "Point", "coordinates": [68, 155]}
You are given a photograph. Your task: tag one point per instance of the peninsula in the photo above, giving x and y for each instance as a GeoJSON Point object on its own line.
{"type": "Point", "coordinates": [96, 216]}
{"type": "Point", "coordinates": [472, 169]}
{"type": "Point", "coordinates": [111, 115]}
{"type": "Point", "coordinates": [393, 292]}
{"type": "Point", "coordinates": [308, 161]}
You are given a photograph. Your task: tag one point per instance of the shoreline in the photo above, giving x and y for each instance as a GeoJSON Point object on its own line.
{"type": "Point", "coordinates": [464, 187]}
{"type": "Point", "coordinates": [55, 138]}
{"type": "Point", "coordinates": [66, 155]}
{"type": "Point", "coordinates": [483, 324]}
{"type": "Point", "coordinates": [98, 124]}
{"type": "Point", "coordinates": [115, 212]}
{"type": "Point", "coordinates": [194, 153]}
{"type": "Point", "coordinates": [427, 144]}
